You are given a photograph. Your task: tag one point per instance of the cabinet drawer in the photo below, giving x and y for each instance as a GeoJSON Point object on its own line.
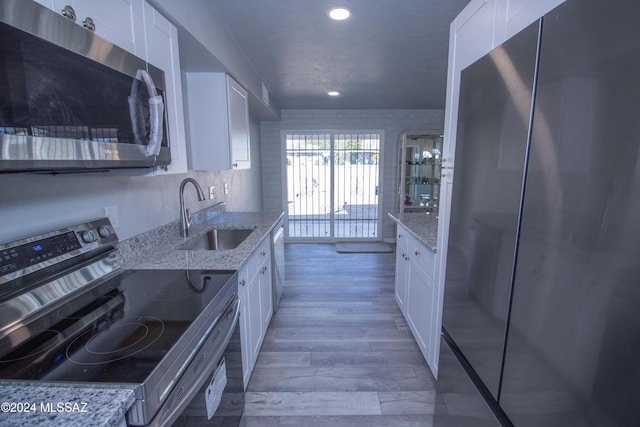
{"type": "Point", "coordinates": [262, 252]}
{"type": "Point", "coordinates": [401, 238]}
{"type": "Point", "coordinates": [423, 256]}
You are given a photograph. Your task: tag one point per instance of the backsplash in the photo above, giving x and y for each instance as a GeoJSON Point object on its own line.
{"type": "Point", "coordinates": [31, 203]}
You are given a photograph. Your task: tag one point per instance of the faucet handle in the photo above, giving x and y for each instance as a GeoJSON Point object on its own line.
{"type": "Point", "coordinates": [187, 217]}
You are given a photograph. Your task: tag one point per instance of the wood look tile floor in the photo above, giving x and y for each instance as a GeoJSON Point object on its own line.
{"type": "Point", "coordinates": [338, 351]}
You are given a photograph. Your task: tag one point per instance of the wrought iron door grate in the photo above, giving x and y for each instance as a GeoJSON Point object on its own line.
{"type": "Point", "coordinates": [332, 185]}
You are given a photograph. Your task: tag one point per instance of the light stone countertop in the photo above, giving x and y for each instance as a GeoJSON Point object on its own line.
{"type": "Point", "coordinates": [422, 225]}
{"type": "Point", "coordinates": [63, 406]}
{"type": "Point", "coordinates": [157, 249]}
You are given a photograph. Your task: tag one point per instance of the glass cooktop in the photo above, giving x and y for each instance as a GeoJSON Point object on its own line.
{"type": "Point", "coordinates": [118, 332]}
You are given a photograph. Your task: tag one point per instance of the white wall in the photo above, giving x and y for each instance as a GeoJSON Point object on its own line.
{"type": "Point", "coordinates": [392, 122]}
{"type": "Point", "coordinates": [31, 203]}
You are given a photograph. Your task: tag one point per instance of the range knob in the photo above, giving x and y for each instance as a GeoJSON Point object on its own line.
{"type": "Point", "coordinates": [105, 231]}
{"type": "Point", "coordinates": [88, 236]}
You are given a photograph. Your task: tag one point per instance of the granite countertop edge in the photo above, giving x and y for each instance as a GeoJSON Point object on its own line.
{"type": "Point", "coordinates": [422, 226]}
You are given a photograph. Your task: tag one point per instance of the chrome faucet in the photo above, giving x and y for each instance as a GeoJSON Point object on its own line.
{"type": "Point", "coordinates": [185, 216]}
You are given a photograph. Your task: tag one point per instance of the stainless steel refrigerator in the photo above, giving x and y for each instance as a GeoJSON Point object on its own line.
{"type": "Point", "coordinates": [541, 321]}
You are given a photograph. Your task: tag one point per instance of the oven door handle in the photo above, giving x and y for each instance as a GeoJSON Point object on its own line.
{"type": "Point", "coordinates": [170, 410]}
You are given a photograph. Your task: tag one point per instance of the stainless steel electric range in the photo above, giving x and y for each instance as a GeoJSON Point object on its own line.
{"type": "Point", "coordinates": [69, 313]}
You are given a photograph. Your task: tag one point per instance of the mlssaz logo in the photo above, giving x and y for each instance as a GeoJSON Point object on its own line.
{"type": "Point", "coordinates": [80, 407]}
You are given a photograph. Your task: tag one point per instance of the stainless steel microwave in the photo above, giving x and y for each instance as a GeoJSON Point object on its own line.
{"type": "Point", "coordinates": [72, 101]}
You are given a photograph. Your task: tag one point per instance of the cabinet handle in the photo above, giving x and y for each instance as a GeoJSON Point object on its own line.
{"type": "Point", "coordinates": [235, 165]}
{"type": "Point", "coordinates": [243, 282]}
{"type": "Point", "coordinates": [263, 253]}
{"type": "Point", "coordinates": [400, 235]}
{"type": "Point", "coordinates": [417, 253]}
{"type": "Point", "coordinates": [69, 13]}
{"type": "Point", "coordinates": [89, 24]}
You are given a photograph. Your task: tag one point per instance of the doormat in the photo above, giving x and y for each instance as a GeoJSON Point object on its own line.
{"type": "Point", "coordinates": [360, 248]}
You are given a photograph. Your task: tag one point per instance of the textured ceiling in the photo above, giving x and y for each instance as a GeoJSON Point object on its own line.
{"type": "Point", "coordinates": [389, 54]}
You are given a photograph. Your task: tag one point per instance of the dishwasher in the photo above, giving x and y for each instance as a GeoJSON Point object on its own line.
{"type": "Point", "coordinates": [277, 249]}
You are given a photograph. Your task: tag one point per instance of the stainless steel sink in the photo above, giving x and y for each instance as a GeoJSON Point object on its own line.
{"type": "Point", "coordinates": [218, 239]}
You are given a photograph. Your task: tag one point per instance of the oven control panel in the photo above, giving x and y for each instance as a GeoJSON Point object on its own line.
{"type": "Point", "coordinates": [25, 256]}
{"type": "Point", "coordinates": [28, 254]}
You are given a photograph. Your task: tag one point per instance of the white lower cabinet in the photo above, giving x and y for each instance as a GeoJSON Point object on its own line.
{"type": "Point", "coordinates": [402, 267]}
{"type": "Point", "coordinates": [266, 292]}
{"type": "Point", "coordinates": [256, 308]}
{"type": "Point", "coordinates": [255, 319]}
{"type": "Point", "coordinates": [245, 337]}
{"type": "Point", "coordinates": [419, 307]}
{"type": "Point", "coordinates": [415, 264]}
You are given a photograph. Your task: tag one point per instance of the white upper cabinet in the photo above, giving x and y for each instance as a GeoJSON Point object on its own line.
{"type": "Point", "coordinates": [238, 125]}
{"type": "Point", "coordinates": [218, 111]}
{"type": "Point", "coordinates": [161, 50]}
{"type": "Point", "coordinates": [114, 20]}
{"type": "Point", "coordinates": [514, 16]}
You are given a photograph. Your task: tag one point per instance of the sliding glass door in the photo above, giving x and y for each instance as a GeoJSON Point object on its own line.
{"type": "Point", "coordinates": [332, 185]}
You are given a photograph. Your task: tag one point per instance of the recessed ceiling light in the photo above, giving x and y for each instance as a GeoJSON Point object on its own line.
{"type": "Point", "coordinates": [339, 13]}
{"type": "Point", "coordinates": [333, 93]}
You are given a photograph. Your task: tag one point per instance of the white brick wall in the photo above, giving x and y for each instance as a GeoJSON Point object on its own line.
{"type": "Point", "coordinates": [392, 122]}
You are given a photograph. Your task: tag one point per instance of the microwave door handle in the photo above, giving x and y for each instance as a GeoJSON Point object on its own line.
{"type": "Point", "coordinates": [156, 107]}
{"type": "Point", "coordinates": [136, 115]}
{"type": "Point", "coordinates": [156, 114]}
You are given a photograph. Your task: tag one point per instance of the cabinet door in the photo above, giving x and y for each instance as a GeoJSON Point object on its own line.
{"type": "Point", "coordinates": [266, 294]}
{"type": "Point", "coordinates": [115, 20]}
{"type": "Point", "coordinates": [218, 111]}
{"type": "Point", "coordinates": [401, 269]}
{"type": "Point", "coordinates": [255, 318]}
{"type": "Point", "coordinates": [161, 50]}
{"type": "Point", "coordinates": [419, 308]}
{"type": "Point", "coordinates": [238, 125]}
{"type": "Point", "coordinates": [245, 338]}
